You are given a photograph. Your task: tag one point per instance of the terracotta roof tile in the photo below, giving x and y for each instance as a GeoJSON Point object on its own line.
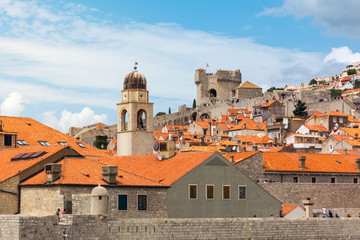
{"type": "Point", "coordinates": [33, 131]}
{"type": "Point", "coordinates": [202, 124]}
{"type": "Point", "coordinates": [316, 128]}
{"type": "Point", "coordinates": [248, 84]}
{"type": "Point", "coordinates": [139, 170]}
{"type": "Point", "coordinates": [287, 208]}
{"type": "Point", "coordinates": [268, 103]}
{"type": "Point", "coordinates": [238, 157]}
{"type": "Point", "coordinates": [283, 161]}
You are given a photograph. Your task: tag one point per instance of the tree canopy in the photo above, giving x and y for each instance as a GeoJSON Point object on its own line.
{"type": "Point", "coordinates": [274, 88]}
{"type": "Point", "coordinates": [336, 92]}
{"type": "Point", "coordinates": [313, 82]}
{"type": "Point", "coordinates": [351, 71]}
{"type": "Point", "coordinates": [300, 109]}
{"type": "Point", "coordinates": [160, 114]}
{"type": "Point", "coordinates": [194, 104]}
{"type": "Point", "coordinates": [101, 142]}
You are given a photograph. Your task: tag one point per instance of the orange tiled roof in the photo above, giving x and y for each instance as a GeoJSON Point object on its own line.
{"type": "Point", "coordinates": [202, 124]}
{"type": "Point", "coordinates": [353, 142]}
{"type": "Point", "coordinates": [268, 103]}
{"type": "Point", "coordinates": [139, 170]}
{"type": "Point", "coordinates": [250, 124]}
{"type": "Point", "coordinates": [204, 149]}
{"type": "Point", "coordinates": [33, 131]}
{"type": "Point", "coordinates": [351, 119]}
{"type": "Point", "coordinates": [289, 162]}
{"type": "Point", "coordinates": [238, 157]}
{"type": "Point", "coordinates": [248, 84]}
{"type": "Point", "coordinates": [348, 152]}
{"type": "Point", "coordinates": [351, 131]}
{"type": "Point", "coordinates": [339, 138]}
{"type": "Point", "coordinates": [334, 113]}
{"type": "Point", "coordinates": [287, 208]}
{"type": "Point", "coordinates": [12, 168]}
{"type": "Point", "coordinates": [99, 125]}
{"type": "Point", "coordinates": [225, 143]}
{"type": "Point", "coordinates": [254, 139]}
{"type": "Point", "coordinates": [316, 128]}
{"type": "Point", "coordinates": [316, 113]}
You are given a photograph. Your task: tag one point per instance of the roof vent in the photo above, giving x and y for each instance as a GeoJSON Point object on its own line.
{"type": "Point", "coordinates": [109, 173]}
{"type": "Point", "coordinates": [302, 162]}
{"type": "Point", "coordinates": [52, 171]}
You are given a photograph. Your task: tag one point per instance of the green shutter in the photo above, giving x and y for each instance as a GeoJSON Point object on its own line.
{"type": "Point", "coordinates": [122, 202]}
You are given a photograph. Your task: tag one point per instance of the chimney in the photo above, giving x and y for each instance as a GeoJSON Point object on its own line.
{"type": "Point", "coordinates": [244, 125]}
{"type": "Point", "coordinates": [302, 162]}
{"type": "Point", "coordinates": [357, 161]}
{"type": "Point", "coordinates": [232, 158]}
{"type": "Point", "coordinates": [356, 135]}
{"type": "Point", "coordinates": [308, 204]}
{"type": "Point", "coordinates": [255, 148]}
{"type": "Point", "coordinates": [52, 171]}
{"type": "Point", "coordinates": [109, 173]}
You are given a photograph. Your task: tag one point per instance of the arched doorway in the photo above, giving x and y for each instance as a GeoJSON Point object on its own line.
{"type": "Point", "coordinates": [193, 116]}
{"type": "Point", "coordinates": [204, 116]}
{"type": "Point", "coordinates": [212, 93]}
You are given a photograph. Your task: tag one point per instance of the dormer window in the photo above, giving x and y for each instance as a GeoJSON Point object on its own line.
{"type": "Point", "coordinates": [7, 140]}
{"type": "Point", "coordinates": [63, 143]}
{"type": "Point", "coordinates": [22, 143]}
{"type": "Point", "coordinates": [44, 143]}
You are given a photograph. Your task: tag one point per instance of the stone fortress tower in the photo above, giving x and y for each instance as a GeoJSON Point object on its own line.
{"type": "Point", "coordinates": [135, 113]}
{"type": "Point", "coordinates": [216, 87]}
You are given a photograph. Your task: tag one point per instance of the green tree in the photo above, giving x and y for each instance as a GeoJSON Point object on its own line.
{"type": "Point", "coordinates": [336, 92]}
{"type": "Point", "coordinates": [194, 104]}
{"type": "Point", "coordinates": [101, 142]}
{"type": "Point", "coordinates": [274, 88]}
{"type": "Point", "coordinates": [300, 109]}
{"type": "Point", "coordinates": [169, 110]}
{"type": "Point", "coordinates": [357, 84]}
{"type": "Point", "coordinates": [313, 82]}
{"type": "Point", "coordinates": [160, 114]}
{"type": "Point", "coordinates": [351, 71]}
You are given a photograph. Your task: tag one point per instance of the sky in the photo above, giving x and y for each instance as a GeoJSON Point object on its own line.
{"type": "Point", "coordinates": [63, 62]}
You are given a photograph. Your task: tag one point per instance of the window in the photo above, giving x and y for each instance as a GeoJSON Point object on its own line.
{"type": "Point", "coordinates": [81, 145]}
{"type": "Point", "coordinates": [242, 192]}
{"type": "Point", "coordinates": [209, 191]}
{"type": "Point", "coordinates": [334, 120]}
{"type": "Point", "coordinates": [142, 202]}
{"type": "Point", "coordinates": [226, 192]}
{"type": "Point", "coordinates": [295, 179]}
{"type": "Point", "coordinates": [122, 202]}
{"type": "Point", "coordinates": [44, 143]}
{"type": "Point", "coordinates": [7, 140]}
{"type": "Point", "coordinates": [22, 143]}
{"type": "Point", "coordinates": [331, 146]}
{"type": "Point", "coordinates": [313, 180]}
{"type": "Point", "coordinates": [63, 143]}
{"type": "Point", "coordinates": [356, 180]}
{"type": "Point", "coordinates": [193, 191]}
{"type": "Point", "coordinates": [333, 180]}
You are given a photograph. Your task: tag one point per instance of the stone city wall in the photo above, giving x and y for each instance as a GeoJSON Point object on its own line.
{"type": "Point", "coordinates": [101, 227]}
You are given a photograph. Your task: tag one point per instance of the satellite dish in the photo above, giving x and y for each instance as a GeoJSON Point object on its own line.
{"type": "Point", "coordinates": [181, 138]}
{"type": "Point", "coordinates": [159, 155]}
{"type": "Point", "coordinates": [234, 148]}
{"type": "Point", "coordinates": [156, 146]}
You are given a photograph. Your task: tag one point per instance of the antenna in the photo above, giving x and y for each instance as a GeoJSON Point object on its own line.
{"type": "Point", "coordinates": [156, 146]}
{"type": "Point", "coordinates": [159, 155]}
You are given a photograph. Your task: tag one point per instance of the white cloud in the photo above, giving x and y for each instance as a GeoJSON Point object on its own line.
{"type": "Point", "coordinates": [339, 17]}
{"type": "Point", "coordinates": [69, 119]}
{"type": "Point", "coordinates": [342, 55]}
{"type": "Point", "coordinates": [12, 105]}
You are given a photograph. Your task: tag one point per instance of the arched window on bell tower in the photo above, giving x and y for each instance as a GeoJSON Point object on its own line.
{"type": "Point", "coordinates": [124, 120]}
{"type": "Point", "coordinates": [141, 120]}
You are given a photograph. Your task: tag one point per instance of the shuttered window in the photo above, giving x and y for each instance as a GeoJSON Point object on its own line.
{"type": "Point", "coordinates": [122, 202]}
{"type": "Point", "coordinates": [193, 191]}
{"type": "Point", "coordinates": [209, 191]}
{"type": "Point", "coordinates": [226, 192]}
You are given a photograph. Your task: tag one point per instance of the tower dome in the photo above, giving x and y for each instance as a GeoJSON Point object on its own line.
{"type": "Point", "coordinates": [134, 80]}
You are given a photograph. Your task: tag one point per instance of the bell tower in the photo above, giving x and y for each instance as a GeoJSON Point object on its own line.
{"type": "Point", "coordinates": [135, 113]}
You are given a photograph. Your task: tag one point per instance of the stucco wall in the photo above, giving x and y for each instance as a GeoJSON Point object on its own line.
{"type": "Point", "coordinates": [219, 172]}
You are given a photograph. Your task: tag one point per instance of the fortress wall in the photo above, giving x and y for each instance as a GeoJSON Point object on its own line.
{"type": "Point", "coordinates": [341, 105]}
{"type": "Point", "coordinates": [101, 227]}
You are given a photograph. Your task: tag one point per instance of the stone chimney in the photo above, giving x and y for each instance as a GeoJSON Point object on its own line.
{"type": "Point", "coordinates": [357, 161]}
{"type": "Point", "coordinates": [52, 171]}
{"type": "Point", "coordinates": [244, 125]}
{"type": "Point", "coordinates": [232, 158]}
{"type": "Point", "coordinates": [302, 162]}
{"type": "Point", "coordinates": [109, 173]}
{"type": "Point", "coordinates": [308, 204]}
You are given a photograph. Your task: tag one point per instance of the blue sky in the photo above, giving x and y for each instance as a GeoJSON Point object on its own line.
{"type": "Point", "coordinates": [63, 62]}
